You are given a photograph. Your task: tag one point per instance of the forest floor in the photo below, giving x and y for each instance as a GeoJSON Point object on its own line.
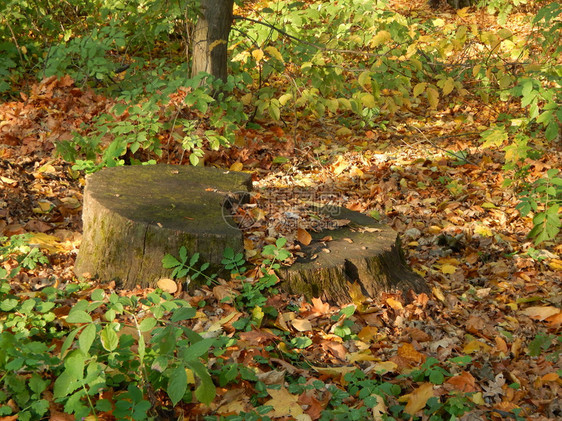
{"type": "Point", "coordinates": [496, 297]}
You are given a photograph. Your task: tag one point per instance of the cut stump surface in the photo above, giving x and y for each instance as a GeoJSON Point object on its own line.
{"type": "Point", "coordinates": [135, 215]}
{"type": "Point", "coordinates": [363, 254]}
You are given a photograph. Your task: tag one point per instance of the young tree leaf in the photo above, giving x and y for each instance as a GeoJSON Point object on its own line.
{"type": "Point", "coordinates": [109, 338]}
{"type": "Point", "coordinates": [206, 391]}
{"type": "Point", "coordinates": [86, 338]}
{"type": "Point", "coordinates": [78, 316]}
{"type": "Point", "coordinates": [177, 384]}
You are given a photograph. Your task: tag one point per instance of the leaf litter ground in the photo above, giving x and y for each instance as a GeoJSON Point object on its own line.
{"type": "Point", "coordinates": [494, 298]}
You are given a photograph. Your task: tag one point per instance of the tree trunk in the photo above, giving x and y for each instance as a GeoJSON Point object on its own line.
{"type": "Point", "coordinates": [362, 255]}
{"type": "Point", "coordinates": [133, 216]}
{"type": "Point", "coordinates": [210, 40]}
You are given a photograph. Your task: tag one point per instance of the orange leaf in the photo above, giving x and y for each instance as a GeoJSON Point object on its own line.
{"type": "Point", "coordinates": [320, 307]}
{"type": "Point", "coordinates": [418, 398]}
{"type": "Point", "coordinates": [464, 382]}
{"type": "Point", "coordinates": [395, 304]}
{"type": "Point", "coordinates": [408, 352]}
{"type": "Point", "coordinates": [304, 237]}
{"type": "Point", "coordinates": [550, 377]}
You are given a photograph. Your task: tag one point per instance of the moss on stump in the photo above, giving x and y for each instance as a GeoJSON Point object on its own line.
{"type": "Point", "coordinates": [133, 216]}
{"type": "Point", "coordinates": [363, 252]}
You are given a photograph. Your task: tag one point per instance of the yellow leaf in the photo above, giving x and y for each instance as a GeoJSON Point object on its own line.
{"type": "Point", "coordinates": [555, 264]}
{"type": "Point", "coordinates": [395, 304]}
{"type": "Point", "coordinates": [419, 89]}
{"type": "Point", "coordinates": [418, 398]}
{"type": "Point", "coordinates": [283, 99]}
{"type": "Point", "coordinates": [303, 236]}
{"type": "Point", "coordinates": [484, 231]}
{"type": "Point", "coordinates": [476, 345]}
{"type": "Point", "coordinates": [448, 86]}
{"type": "Point", "coordinates": [343, 131]}
{"type": "Point", "coordinates": [476, 70]}
{"type": "Point", "coordinates": [284, 404]}
{"type": "Point", "coordinates": [448, 269]}
{"type": "Point", "coordinates": [257, 54]}
{"type": "Point", "coordinates": [344, 103]}
{"type": "Point", "coordinates": [379, 410]}
{"type": "Point", "coordinates": [478, 399]}
{"type": "Point", "coordinates": [360, 356]}
{"type": "Point", "coordinates": [541, 313]}
{"type": "Point", "coordinates": [438, 293]}
{"type": "Point", "coordinates": [385, 367]}
{"type": "Point", "coordinates": [167, 285]}
{"type": "Point", "coordinates": [7, 180]}
{"type": "Point", "coordinates": [433, 97]}
{"type": "Point", "coordinates": [438, 22]}
{"type": "Point", "coordinates": [334, 371]}
{"type": "Point", "coordinates": [488, 205]}
{"type": "Point", "coordinates": [364, 79]}
{"type": "Point", "coordinates": [463, 13]}
{"type": "Point", "coordinates": [380, 38]}
{"type": "Point", "coordinates": [247, 99]}
{"type": "Point", "coordinates": [368, 100]}
{"type": "Point", "coordinates": [46, 242]}
{"type": "Point", "coordinates": [274, 52]}
{"type": "Point", "coordinates": [237, 166]}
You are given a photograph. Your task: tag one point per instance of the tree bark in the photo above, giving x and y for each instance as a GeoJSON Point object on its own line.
{"type": "Point", "coordinates": [210, 42]}
{"type": "Point", "coordinates": [133, 216]}
{"type": "Point", "coordinates": [364, 253]}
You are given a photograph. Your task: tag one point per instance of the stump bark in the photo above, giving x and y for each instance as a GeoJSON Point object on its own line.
{"type": "Point", "coordinates": [133, 216]}
{"type": "Point", "coordinates": [363, 252]}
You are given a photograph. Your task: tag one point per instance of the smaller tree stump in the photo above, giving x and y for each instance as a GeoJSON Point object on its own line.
{"type": "Point", "coordinates": [133, 216]}
{"type": "Point", "coordinates": [363, 252]}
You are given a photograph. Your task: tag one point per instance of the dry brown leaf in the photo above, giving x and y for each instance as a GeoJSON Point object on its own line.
{"type": "Point", "coordinates": [303, 236]}
{"type": "Point", "coordinates": [302, 325]}
{"type": "Point", "coordinates": [167, 285]}
{"type": "Point", "coordinates": [541, 313]}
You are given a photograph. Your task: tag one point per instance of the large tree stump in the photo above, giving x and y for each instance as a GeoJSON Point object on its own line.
{"type": "Point", "coordinates": [363, 252]}
{"type": "Point", "coordinates": [133, 216]}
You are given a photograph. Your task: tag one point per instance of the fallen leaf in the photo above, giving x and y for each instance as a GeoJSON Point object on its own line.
{"type": "Point", "coordinates": [167, 285]}
{"type": "Point", "coordinates": [302, 325]}
{"type": "Point", "coordinates": [320, 307]}
{"type": "Point", "coordinates": [463, 382]}
{"type": "Point", "coordinates": [408, 352]}
{"type": "Point", "coordinates": [395, 304]}
{"type": "Point", "coordinates": [237, 166]}
{"type": "Point", "coordinates": [418, 398]}
{"type": "Point", "coordinates": [384, 367]}
{"type": "Point", "coordinates": [541, 313]}
{"type": "Point", "coordinates": [283, 403]}
{"type": "Point", "coordinates": [550, 377]}
{"type": "Point", "coordinates": [476, 345]}
{"type": "Point", "coordinates": [379, 410]}
{"type": "Point", "coordinates": [303, 236]}
{"type": "Point", "coordinates": [448, 269]}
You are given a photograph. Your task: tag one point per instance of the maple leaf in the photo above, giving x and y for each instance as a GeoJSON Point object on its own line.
{"type": "Point", "coordinates": [284, 404]}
